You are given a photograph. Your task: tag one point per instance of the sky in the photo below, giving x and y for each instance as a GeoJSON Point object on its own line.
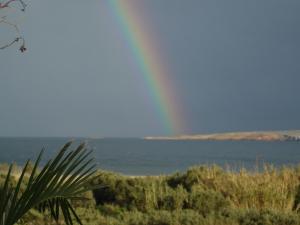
{"type": "Point", "coordinates": [234, 66]}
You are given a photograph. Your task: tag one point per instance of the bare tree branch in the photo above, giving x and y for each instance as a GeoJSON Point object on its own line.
{"type": "Point", "coordinates": [4, 20]}
{"type": "Point", "coordinates": [6, 4]}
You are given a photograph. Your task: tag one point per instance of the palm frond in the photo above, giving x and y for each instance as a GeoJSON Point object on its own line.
{"type": "Point", "coordinates": [60, 180]}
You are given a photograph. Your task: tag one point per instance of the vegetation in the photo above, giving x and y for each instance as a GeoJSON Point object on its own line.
{"type": "Point", "coordinates": [51, 189]}
{"type": "Point", "coordinates": [205, 195]}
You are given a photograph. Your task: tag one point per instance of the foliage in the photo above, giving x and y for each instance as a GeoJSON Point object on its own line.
{"type": "Point", "coordinates": [61, 180]}
{"type": "Point", "coordinates": [203, 195]}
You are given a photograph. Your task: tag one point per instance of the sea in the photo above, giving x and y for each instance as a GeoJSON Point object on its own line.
{"type": "Point", "coordinates": [134, 156]}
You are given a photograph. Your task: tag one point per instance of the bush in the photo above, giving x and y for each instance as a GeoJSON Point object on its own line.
{"type": "Point", "coordinates": [207, 202]}
{"type": "Point", "coordinates": [267, 217]}
{"type": "Point", "coordinates": [200, 176]}
{"type": "Point", "coordinates": [175, 199]}
{"type": "Point", "coordinates": [200, 196]}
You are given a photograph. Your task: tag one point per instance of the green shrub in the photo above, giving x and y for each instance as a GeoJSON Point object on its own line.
{"type": "Point", "coordinates": [175, 199]}
{"type": "Point", "coordinates": [200, 196]}
{"type": "Point", "coordinates": [268, 217]}
{"type": "Point", "coordinates": [207, 202]}
{"type": "Point", "coordinates": [201, 175]}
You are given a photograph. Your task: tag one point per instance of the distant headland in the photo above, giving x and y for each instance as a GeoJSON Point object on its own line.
{"type": "Point", "coordinates": [290, 135]}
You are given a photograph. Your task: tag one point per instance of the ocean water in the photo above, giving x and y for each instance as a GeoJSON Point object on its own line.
{"type": "Point", "coordinates": [153, 157]}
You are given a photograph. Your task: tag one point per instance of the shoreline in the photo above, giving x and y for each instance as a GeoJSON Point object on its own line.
{"type": "Point", "coordinates": [293, 135]}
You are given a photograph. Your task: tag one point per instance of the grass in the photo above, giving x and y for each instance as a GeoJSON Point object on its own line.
{"type": "Point", "coordinates": [200, 195]}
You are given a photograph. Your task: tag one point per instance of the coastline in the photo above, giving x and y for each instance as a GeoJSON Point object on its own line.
{"type": "Point", "coordinates": [292, 135]}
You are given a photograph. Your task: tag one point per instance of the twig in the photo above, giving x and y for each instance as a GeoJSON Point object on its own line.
{"type": "Point", "coordinates": [4, 20]}
{"type": "Point", "coordinates": [22, 48]}
{"type": "Point", "coordinates": [6, 4]}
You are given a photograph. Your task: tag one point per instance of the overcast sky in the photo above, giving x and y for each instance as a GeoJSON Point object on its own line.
{"type": "Point", "coordinates": [235, 65]}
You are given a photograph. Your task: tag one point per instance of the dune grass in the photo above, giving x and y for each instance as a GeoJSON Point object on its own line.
{"type": "Point", "coordinates": [200, 195]}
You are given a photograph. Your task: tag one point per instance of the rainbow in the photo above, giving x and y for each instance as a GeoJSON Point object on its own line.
{"type": "Point", "coordinates": [148, 59]}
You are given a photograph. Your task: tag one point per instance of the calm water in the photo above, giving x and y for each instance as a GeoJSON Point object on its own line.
{"type": "Point", "coordinates": [141, 157]}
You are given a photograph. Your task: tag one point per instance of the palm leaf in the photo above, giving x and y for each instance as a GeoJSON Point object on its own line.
{"type": "Point", "coordinates": [59, 181]}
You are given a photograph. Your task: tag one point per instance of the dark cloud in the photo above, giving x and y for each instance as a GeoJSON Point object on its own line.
{"type": "Point", "coordinates": [235, 65]}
